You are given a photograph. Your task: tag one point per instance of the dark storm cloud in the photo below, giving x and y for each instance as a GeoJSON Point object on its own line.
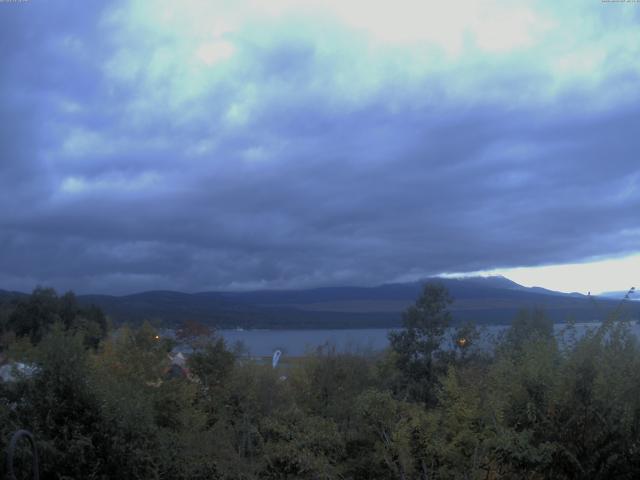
{"type": "Point", "coordinates": [301, 159]}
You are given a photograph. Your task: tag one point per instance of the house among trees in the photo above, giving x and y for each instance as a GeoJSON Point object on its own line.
{"type": "Point", "coordinates": [177, 367]}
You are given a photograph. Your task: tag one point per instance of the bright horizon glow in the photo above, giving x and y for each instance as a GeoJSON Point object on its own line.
{"type": "Point", "coordinates": [616, 274]}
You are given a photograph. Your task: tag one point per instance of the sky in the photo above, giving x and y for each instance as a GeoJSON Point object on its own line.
{"type": "Point", "coordinates": [211, 145]}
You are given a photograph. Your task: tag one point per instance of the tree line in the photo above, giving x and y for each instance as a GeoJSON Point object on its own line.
{"type": "Point", "coordinates": [534, 406]}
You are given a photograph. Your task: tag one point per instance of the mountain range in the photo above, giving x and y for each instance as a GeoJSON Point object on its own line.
{"type": "Point", "coordinates": [620, 294]}
{"type": "Point", "coordinates": [485, 300]}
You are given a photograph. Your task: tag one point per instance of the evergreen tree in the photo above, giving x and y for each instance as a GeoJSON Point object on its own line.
{"type": "Point", "coordinates": [417, 347]}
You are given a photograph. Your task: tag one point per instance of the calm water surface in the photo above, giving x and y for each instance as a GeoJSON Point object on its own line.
{"type": "Point", "coordinates": [300, 342]}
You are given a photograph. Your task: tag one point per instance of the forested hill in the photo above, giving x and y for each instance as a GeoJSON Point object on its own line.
{"type": "Point", "coordinates": [481, 299]}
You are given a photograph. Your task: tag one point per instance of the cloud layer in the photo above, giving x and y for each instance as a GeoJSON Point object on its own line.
{"type": "Point", "coordinates": [201, 145]}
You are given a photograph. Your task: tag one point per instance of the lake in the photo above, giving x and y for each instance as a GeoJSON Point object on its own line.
{"type": "Point", "coordinates": [300, 342]}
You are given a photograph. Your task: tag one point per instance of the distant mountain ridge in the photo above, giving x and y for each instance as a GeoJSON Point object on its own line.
{"type": "Point", "coordinates": [620, 294]}
{"type": "Point", "coordinates": [485, 300]}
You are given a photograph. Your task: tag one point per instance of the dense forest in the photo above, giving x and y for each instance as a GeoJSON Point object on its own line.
{"type": "Point", "coordinates": [103, 403]}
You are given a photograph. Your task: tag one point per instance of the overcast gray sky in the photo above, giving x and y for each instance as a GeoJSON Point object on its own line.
{"type": "Point", "coordinates": [198, 145]}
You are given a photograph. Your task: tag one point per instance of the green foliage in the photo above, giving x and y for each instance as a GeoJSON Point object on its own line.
{"type": "Point", "coordinates": [391, 426]}
{"type": "Point", "coordinates": [528, 326]}
{"type": "Point", "coordinates": [212, 364]}
{"type": "Point", "coordinates": [34, 316]}
{"type": "Point", "coordinates": [455, 437]}
{"type": "Point", "coordinates": [327, 381]}
{"type": "Point", "coordinates": [532, 408]}
{"type": "Point", "coordinates": [300, 446]}
{"type": "Point", "coordinates": [417, 347]}
{"type": "Point", "coordinates": [59, 405]}
{"type": "Point", "coordinates": [110, 413]}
